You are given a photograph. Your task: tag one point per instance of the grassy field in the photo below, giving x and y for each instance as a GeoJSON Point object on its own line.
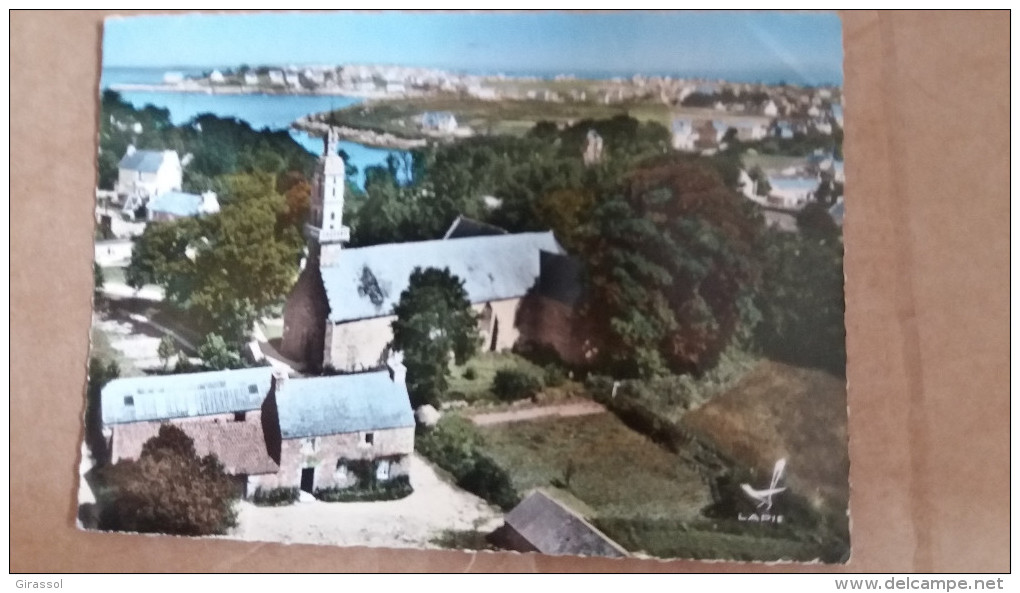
{"type": "Point", "coordinates": [609, 467]}
{"type": "Point", "coordinates": [472, 381]}
{"type": "Point", "coordinates": [505, 116]}
{"type": "Point", "coordinates": [777, 410]}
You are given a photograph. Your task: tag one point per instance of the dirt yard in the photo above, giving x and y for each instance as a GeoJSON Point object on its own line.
{"type": "Point", "coordinates": [435, 506]}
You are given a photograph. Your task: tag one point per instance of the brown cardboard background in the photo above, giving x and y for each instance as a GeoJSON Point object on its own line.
{"type": "Point", "coordinates": [927, 266]}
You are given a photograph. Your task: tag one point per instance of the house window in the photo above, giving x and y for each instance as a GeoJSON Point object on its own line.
{"type": "Point", "coordinates": [253, 389]}
{"type": "Point", "coordinates": [308, 446]}
{"type": "Point", "coordinates": [369, 438]}
{"type": "Point", "coordinates": [239, 416]}
{"type": "Point", "coordinates": [129, 400]}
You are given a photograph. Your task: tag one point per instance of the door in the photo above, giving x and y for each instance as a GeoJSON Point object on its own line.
{"type": "Point", "coordinates": [308, 479]}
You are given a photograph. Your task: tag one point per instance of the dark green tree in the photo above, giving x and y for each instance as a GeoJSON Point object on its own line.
{"type": "Point", "coordinates": [99, 375]}
{"type": "Point", "coordinates": [672, 269]}
{"type": "Point", "coordinates": [168, 489]}
{"type": "Point", "coordinates": [801, 299]}
{"type": "Point", "coordinates": [217, 355]}
{"type": "Point", "coordinates": [433, 320]}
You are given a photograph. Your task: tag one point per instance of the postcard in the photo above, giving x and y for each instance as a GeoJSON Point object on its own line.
{"type": "Point", "coordinates": [565, 283]}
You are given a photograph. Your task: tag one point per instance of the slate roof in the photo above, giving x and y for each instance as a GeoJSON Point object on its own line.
{"type": "Point", "coordinates": [554, 529]}
{"type": "Point", "coordinates": [240, 446]}
{"type": "Point", "coordinates": [340, 404]}
{"type": "Point", "coordinates": [793, 183]}
{"type": "Point", "coordinates": [176, 203]}
{"type": "Point", "coordinates": [146, 161]}
{"type": "Point", "coordinates": [137, 399]}
{"type": "Point", "coordinates": [367, 282]}
{"type": "Point", "coordinates": [469, 227]}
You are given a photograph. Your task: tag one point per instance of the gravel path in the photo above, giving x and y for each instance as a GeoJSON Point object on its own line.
{"type": "Point", "coordinates": [582, 408]}
{"type": "Point", "coordinates": [415, 521]}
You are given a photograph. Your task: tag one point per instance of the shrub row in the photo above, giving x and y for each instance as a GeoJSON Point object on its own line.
{"type": "Point", "coordinates": [454, 445]}
{"type": "Point", "coordinates": [399, 487]}
{"type": "Point", "coordinates": [275, 497]}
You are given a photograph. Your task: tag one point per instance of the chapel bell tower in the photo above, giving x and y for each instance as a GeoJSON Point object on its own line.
{"type": "Point", "coordinates": [325, 230]}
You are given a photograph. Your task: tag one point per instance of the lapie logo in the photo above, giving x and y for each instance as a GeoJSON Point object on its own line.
{"type": "Point", "coordinates": [763, 498]}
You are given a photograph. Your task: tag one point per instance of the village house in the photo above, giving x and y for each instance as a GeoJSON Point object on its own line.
{"type": "Point", "coordinates": [791, 193]}
{"type": "Point", "coordinates": [270, 431]}
{"type": "Point", "coordinates": [339, 313]}
{"type": "Point", "coordinates": [148, 173]}
{"type": "Point", "coordinates": [439, 121]}
{"type": "Point", "coordinates": [114, 252]}
{"type": "Point", "coordinates": [174, 205]}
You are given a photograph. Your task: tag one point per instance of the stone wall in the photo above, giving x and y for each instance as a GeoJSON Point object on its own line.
{"type": "Point", "coordinates": [304, 319]}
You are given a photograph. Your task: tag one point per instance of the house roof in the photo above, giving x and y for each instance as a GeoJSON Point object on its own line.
{"type": "Point", "coordinates": [793, 183]}
{"type": "Point", "coordinates": [240, 446]}
{"type": "Point", "coordinates": [137, 399]}
{"type": "Point", "coordinates": [469, 227]}
{"type": "Point", "coordinates": [367, 282]}
{"type": "Point", "coordinates": [554, 529]}
{"type": "Point", "coordinates": [176, 203]}
{"type": "Point", "coordinates": [342, 403]}
{"type": "Point", "coordinates": [146, 161]}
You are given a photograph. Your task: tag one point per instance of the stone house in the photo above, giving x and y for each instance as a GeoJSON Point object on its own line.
{"type": "Point", "coordinates": [339, 312]}
{"type": "Point", "coordinates": [267, 430]}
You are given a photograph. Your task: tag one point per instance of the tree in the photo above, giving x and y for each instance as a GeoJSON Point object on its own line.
{"type": "Point", "coordinates": [216, 355]}
{"type": "Point", "coordinates": [99, 375]}
{"type": "Point", "coordinates": [169, 489]}
{"type": "Point", "coordinates": [672, 270]}
{"type": "Point", "coordinates": [166, 350]}
{"type": "Point", "coordinates": [801, 299]}
{"type": "Point", "coordinates": [230, 268]}
{"type": "Point", "coordinates": [433, 320]}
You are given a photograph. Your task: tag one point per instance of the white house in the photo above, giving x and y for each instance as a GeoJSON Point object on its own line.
{"type": "Point", "coordinates": [216, 77]}
{"type": "Point", "coordinates": [770, 109]}
{"type": "Point", "coordinates": [251, 79]}
{"type": "Point", "coordinates": [684, 133]}
{"type": "Point", "coordinates": [439, 121]}
{"type": "Point", "coordinates": [148, 173]}
{"type": "Point", "coordinates": [276, 77]}
{"type": "Point", "coordinates": [791, 192]}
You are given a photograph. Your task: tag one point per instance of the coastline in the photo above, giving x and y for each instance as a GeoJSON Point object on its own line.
{"type": "Point", "coordinates": [359, 135]}
{"type": "Point", "coordinates": [243, 90]}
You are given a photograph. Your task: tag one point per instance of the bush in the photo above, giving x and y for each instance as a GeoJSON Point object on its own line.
{"type": "Point", "coordinates": [453, 445]}
{"type": "Point", "coordinates": [470, 373]}
{"type": "Point", "coordinates": [554, 376]}
{"type": "Point", "coordinates": [397, 488]}
{"type": "Point", "coordinates": [514, 384]}
{"type": "Point", "coordinates": [275, 497]}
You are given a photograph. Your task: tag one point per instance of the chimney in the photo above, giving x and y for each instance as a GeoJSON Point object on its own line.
{"type": "Point", "coordinates": [279, 379]}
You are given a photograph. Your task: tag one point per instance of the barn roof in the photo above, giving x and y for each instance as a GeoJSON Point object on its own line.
{"type": "Point", "coordinates": [146, 161]}
{"type": "Point", "coordinates": [367, 282]}
{"type": "Point", "coordinates": [176, 203]}
{"type": "Point", "coordinates": [138, 399]}
{"type": "Point", "coordinates": [240, 446]}
{"type": "Point", "coordinates": [554, 529]}
{"type": "Point", "coordinates": [340, 404]}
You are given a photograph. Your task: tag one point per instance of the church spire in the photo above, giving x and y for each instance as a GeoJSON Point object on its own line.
{"type": "Point", "coordinates": [325, 229]}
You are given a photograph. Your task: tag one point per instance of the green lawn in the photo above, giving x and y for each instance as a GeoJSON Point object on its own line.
{"type": "Point", "coordinates": [484, 365]}
{"type": "Point", "coordinates": [614, 470]}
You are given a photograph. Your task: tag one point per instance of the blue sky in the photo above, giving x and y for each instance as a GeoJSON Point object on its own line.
{"type": "Point", "coordinates": [796, 47]}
